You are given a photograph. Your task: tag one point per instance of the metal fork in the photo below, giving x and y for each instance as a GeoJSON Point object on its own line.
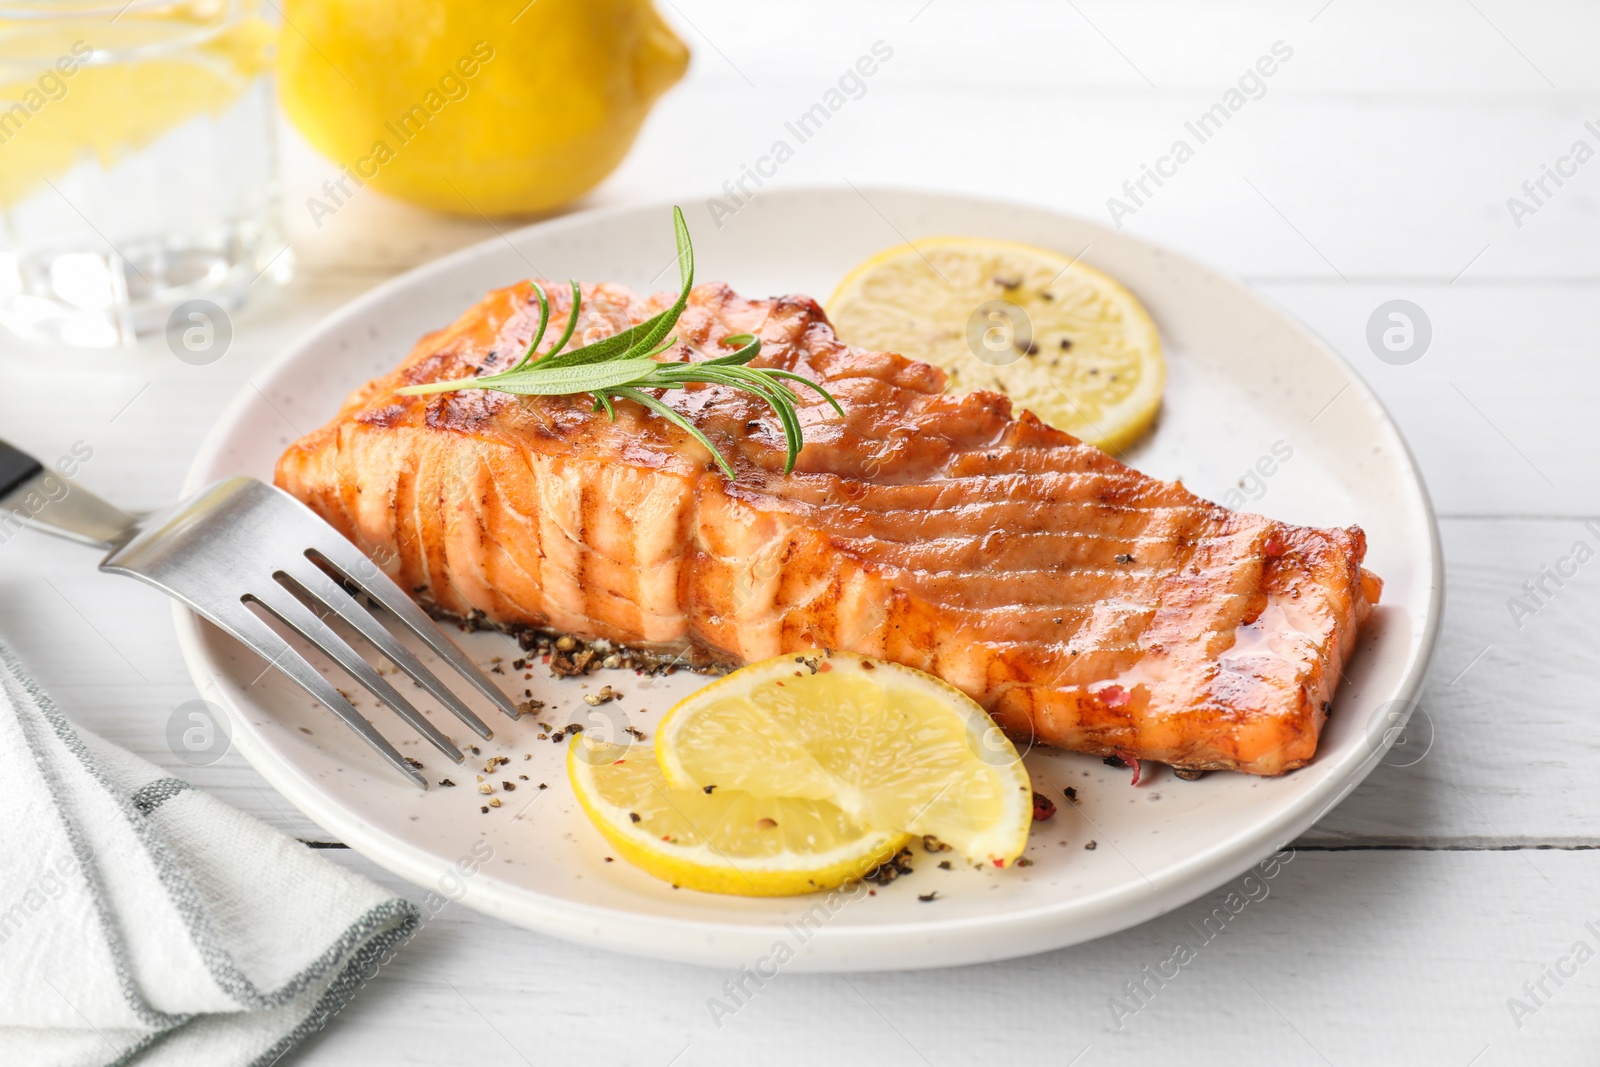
{"type": "Point", "coordinates": [240, 542]}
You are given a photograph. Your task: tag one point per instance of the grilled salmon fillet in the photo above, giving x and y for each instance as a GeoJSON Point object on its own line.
{"type": "Point", "coordinates": [1083, 604]}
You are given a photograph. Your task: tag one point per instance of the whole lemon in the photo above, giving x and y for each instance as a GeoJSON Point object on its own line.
{"type": "Point", "coordinates": [496, 107]}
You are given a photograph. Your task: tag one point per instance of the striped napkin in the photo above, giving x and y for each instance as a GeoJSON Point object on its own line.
{"type": "Point", "coordinates": [142, 921]}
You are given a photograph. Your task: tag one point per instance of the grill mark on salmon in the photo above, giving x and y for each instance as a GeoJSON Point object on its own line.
{"type": "Point", "coordinates": [1083, 604]}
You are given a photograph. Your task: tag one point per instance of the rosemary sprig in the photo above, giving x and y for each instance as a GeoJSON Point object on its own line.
{"type": "Point", "coordinates": [623, 366]}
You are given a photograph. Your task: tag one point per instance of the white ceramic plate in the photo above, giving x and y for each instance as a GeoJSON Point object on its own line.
{"type": "Point", "coordinates": [1243, 379]}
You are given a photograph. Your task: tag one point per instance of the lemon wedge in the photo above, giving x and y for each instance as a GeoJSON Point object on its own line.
{"type": "Point", "coordinates": [723, 841]}
{"type": "Point", "coordinates": [1060, 338]}
{"type": "Point", "coordinates": [893, 748]}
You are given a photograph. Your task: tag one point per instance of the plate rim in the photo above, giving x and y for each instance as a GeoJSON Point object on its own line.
{"type": "Point", "coordinates": [901, 945]}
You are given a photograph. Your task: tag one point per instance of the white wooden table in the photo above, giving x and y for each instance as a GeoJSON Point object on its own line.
{"type": "Point", "coordinates": [1377, 165]}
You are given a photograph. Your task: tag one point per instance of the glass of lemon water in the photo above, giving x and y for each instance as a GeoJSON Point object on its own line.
{"type": "Point", "coordinates": [137, 164]}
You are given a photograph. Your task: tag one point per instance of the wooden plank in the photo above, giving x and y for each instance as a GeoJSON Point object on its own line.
{"type": "Point", "coordinates": [1491, 408]}
{"type": "Point", "coordinates": [1431, 46]}
{"type": "Point", "coordinates": [1317, 175]}
{"type": "Point", "coordinates": [1383, 153]}
{"type": "Point", "coordinates": [1311, 184]}
{"type": "Point", "coordinates": [1346, 957]}
{"type": "Point", "coordinates": [1510, 712]}
{"type": "Point", "coordinates": [1290, 187]}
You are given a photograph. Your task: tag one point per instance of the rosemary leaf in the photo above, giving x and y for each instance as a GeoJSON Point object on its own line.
{"type": "Point", "coordinates": [562, 381]}
{"type": "Point", "coordinates": [538, 335]}
{"type": "Point", "coordinates": [749, 346]}
{"type": "Point", "coordinates": [623, 366]}
{"type": "Point", "coordinates": [793, 377]}
{"type": "Point", "coordinates": [606, 348]}
{"type": "Point", "coordinates": [572, 318]}
{"type": "Point", "coordinates": [648, 333]}
{"type": "Point", "coordinates": [680, 230]}
{"type": "Point", "coordinates": [678, 420]}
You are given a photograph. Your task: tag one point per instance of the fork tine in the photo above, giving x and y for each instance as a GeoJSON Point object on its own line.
{"type": "Point", "coordinates": [264, 642]}
{"type": "Point", "coordinates": [315, 583]}
{"type": "Point", "coordinates": [304, 621]}
{"type": "Point", "coordinates": [345, 558]}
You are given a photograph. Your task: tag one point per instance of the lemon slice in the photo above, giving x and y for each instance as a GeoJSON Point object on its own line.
{"type": "Point", "coordinates": [1061, 339]}
{"type": "Point", "coordinates": [723, 841]}
{"type": "Point", "coordinates": [112, 110]}
{"type": "Point", "coordinates": [892, 747]}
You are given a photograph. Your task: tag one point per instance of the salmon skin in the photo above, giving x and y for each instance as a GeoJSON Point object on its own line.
{"type": "Point", "coordinates": [1083, 604]}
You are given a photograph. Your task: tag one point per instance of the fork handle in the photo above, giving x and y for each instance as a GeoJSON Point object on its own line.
{"type": "Point", "coordinates": [16, 467]}
{"type": "Point", "coordinates": [32, 494]}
